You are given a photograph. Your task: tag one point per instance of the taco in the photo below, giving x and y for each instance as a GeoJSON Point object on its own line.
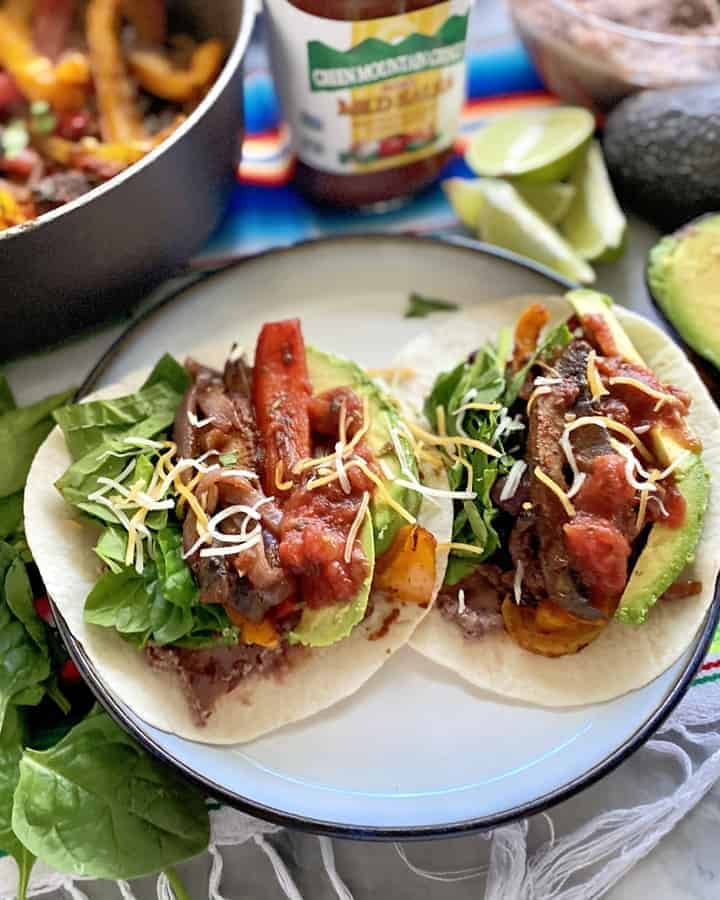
{"type": "Point", "coordinates": [585, 550]}
{"type": "Point", "coordinates": [233, 547]}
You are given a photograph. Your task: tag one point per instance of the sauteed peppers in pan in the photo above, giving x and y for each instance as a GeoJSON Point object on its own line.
{"type": "Point", "coordinates": [87, 89]}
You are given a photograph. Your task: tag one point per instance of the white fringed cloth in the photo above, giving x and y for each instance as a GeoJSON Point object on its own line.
{"type": "Point", "coordinates": [576, 851]}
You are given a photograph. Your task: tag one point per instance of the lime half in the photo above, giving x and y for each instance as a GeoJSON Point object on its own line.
{"type": "Point", "coordinates": [507, 220]}
{"type": "Point", "coordinates": [552, 201]}
{"type": "Point", "coordinates": [532, 145]}
{"type": "Point", "coordinates": [595, 224]}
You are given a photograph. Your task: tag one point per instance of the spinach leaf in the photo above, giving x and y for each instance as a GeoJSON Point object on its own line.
{"type": "Point", "coordinates": [86, 426]}
{"type": "Point", "coordinates": [11, 515]}
{"type": "Point", "coordinates": [111, 548]}
{"type": "Point", "coordinates": [168, 371]}
{"type": "Point", "coordinates": [98, 805]}
{"type": "Point", "coordinates": [21, 433]}
{"type": "Point", "coordinates": [19, 597]}
{"type": "Point", "coordinates": [120, 600]}
{"type": "Point", "coordinates": [24, 660]}
{"type": "Point", "coordinates": [555, 339]}
{"type": "Point", "coordinates": [174, 573]}
{"type": "Point", "coordinates": [7, 401]}
{"type": "Point", "coordinates": [80, 479]}
{"type": "Point", "coordinates": [11, 748]}
{"type": "Point", "coordinates": [419, 307]}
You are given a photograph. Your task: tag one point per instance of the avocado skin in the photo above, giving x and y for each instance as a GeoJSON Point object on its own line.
{"type": "Point", "coordinates": [668, 550]}
{"type": "Point", "coordinates": [677, 266]}
{"type": "Point", "coordinates": [662, 148]}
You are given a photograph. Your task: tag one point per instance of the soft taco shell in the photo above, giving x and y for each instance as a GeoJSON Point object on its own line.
{"type": "Point", "coordinates": [62, 544]}
{"type": "Point", "coordinates": [624, 657]}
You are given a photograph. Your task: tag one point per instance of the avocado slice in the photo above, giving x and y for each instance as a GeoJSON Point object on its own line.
{"type": "Point", "coordinates": [683, 275]}
{"type": "Point", "coordinates": [668, 550]}
{"type": "Point", "coordinates": [328, 371]}
{"type": "Point", "coordinates": [322, 627]}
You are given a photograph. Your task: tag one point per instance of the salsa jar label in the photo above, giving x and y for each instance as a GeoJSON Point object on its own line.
{"type": "Point", "coordinates": [368, 95]}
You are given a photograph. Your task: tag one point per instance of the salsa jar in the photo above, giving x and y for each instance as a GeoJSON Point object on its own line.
{"type": "Point", "coordinates": [372, 91]}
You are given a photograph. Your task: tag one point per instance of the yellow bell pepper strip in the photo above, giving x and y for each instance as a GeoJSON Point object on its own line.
{"type": "Point", "coordinates": [159, 76]}
{"type": "Point", "coordinates": [89, 154]}
{"type": "Point", "coordinates": [149, 19]}
{"type": "Point", "coordinates": [11, 212]}
{"type": "Point", "coordinates": [119, 115]}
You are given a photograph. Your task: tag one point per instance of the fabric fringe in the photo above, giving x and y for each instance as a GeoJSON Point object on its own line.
{"type": "Point", "coordinates": [285, 879]}
{"type": "Point", "coordinates": [327, 853]}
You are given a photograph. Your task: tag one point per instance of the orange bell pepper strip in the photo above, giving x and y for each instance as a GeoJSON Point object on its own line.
{"type": "Point", "coordinates": [119, 114]}
{"type": "Point", "coordinates": [527, 333]}
{"type": "Point", "coordinates": [149, 17]}
{"type": "Point", "coordinates": [281, 391]}
{"type": "Point", "coordinates": [407, 570]}
{"type": "Point", "coordinates": [156, 73]}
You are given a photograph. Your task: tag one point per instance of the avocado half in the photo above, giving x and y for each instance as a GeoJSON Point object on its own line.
{"type": "Point", "coordinates": [668, 550]}
{"type": "Point", "coordinates": [661, 149]}
{"type": "Point", "coordinates": [683, 276]}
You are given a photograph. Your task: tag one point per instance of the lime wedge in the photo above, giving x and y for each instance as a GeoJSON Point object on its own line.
{"type": "Point", "coordinates": [552, 200]}
{"type": "Point", "coordinates": [595, 225]}
{"type": "Point", "coordinates": [508, 221]}
{"type": "Point", "coordinates": [466, 198]}
{"type": "Point", "coordinates": [532, 145]}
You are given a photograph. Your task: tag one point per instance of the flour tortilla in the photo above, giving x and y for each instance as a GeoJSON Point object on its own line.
{"type": "Point", "coordinates": [62, 544]}
{"type": "Point", "coordinates": [624, 657]}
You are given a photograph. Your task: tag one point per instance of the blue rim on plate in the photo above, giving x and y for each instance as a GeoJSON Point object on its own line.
{"type": "Point", "coordinates": [321, 826]}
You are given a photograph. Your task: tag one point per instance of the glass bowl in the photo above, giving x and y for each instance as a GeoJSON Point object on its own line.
{"type": "Point", "coordinates": [587, 59]}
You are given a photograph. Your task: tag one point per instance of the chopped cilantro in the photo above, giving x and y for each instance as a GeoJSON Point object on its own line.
{"type": "Point", "coordinates": [419, 306]}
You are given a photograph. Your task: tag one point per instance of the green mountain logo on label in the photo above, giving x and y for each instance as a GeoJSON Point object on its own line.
{"type": "Point", "coordinates": [374, 60]}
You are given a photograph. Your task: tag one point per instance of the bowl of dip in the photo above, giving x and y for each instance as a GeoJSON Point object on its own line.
{"type": "Point", "coordinates": [595, 52]}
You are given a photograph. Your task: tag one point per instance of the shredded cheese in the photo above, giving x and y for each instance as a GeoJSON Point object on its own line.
{"type": "Point", "coordinates": [231, 551]}
{"type": "Point", "coordinates": [538, 392]}
{"type": "Point", "coordinates": [597, 388]}
{"type": "Point", "coordinates": [279, 483]}
{"type": "Point", "coordinates": [342, 424]}
{"type": "Point", "coordinates": [660, 396]}
{"type": "Point", "coordinates": [556, 489]}
{"type": "Point", "coordinates": [517, 581]}
{"type": "Point", "coordinates": [578, 476]}
{"type": "Point", "coordinates": [642, 429]}
{"type": "Point", "coordinates": [387, 496]}
{"type": "Point", "coordinates": [386, 470]}
{"type": "Point", "coordinates": [632, 463]}
{"type": "Point", "coordinates": [487, 407]}
{"type": "Point", "coordinates": [576, 485]}
{"type": "Point", "coordinates": [461, 601]}
{"type": "Point", "coordinates": [456, 545]}
{"type": "Point", "coordinates": [435, 440]}
{"type": "Point", "coordinates": [355, 527]}
{"type": "Point", "coordinates": [642, 509]}
{"type": "Point", "coordinates": [680, 458]}
{"type": "Point", "coordinates": [441, 424]}
{"type": "Point", "coordinates": [512, 482]}
{"type": "Point", "coordinates": [314, 462]}
{"type": "Point", "coordinates": [340, 469]}
{"type": "Point", "coordinates": [400, 373]}
{"type": "Point", "coordinates": [198, 423]}
{"type": "Point", "coordinates": [610, 424]}
{"type": "Point", "coordinates": [435, 492]}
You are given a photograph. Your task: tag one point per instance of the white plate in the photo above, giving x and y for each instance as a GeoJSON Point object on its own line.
{"type": "Point", "coordinates": [416, 752]}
